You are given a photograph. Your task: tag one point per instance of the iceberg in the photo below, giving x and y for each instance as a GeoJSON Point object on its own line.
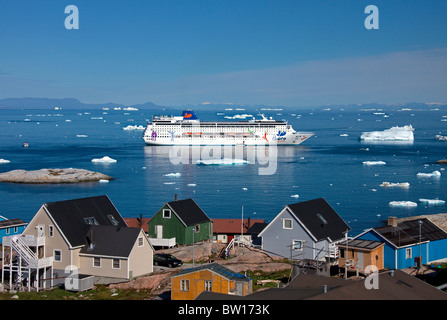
{"type": "Point", "coordinates": [432, 202]}
{"type": "Point", "coordinates": [404, 133]}
{"type": "Point", "coordinates": [177, 174]}
{"type": "Point", "coordinates": [4, 161]}
{"type": "Point", "coordinates": [398, 184]}
{"type": "Point", "coordinates": [105, 159]}
{"type": "Point", "coordinates": [294, 196]}
{"type": "Point", "coordinates": [130, 127]}
{"type": "Point", "coordinates": [373, 163]}
{"type": "Point", "coordinates": [434, 174]}
{"type": "Point", "coordinates": [405, 204]}
{"type": "Point", "coordinates": [218, 162]}
{"type": "Point", "coordinates": [103, 181]}
{"type": "Point", "coordinates": [441, 138]}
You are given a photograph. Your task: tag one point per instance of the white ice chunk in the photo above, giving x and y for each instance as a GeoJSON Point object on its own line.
{"type": "Point", "coordinates": [433, 202]}
{"type": "Point", "coordinates": [404, 133]}
{"type": "Point", "coordinates": [294, 196]}
{"type": "Point", "coordinates": [434, 174]}
{"type": "Point", "coordinates": [373, 163]}
{"type": "Point", "coordinates": [4, 161]}
{"type": "Point", "coordinates": [191, 184]}
{"type": "Point", "coordinates": [441, 138]}
{"type": "Point", "coordinates": [407, 204]}
{"type": "Point", "coordinates": [395, 184]}
{"type": "Point", "coordinates": [217, 162]}
{"type": "Point", "coordinates": [105, 159]}
{"type": "Point", "coordinates": [130, 127]}
{"type": "Point", "coordinates": [103, 181]}
{"type": "Point", "coordinates": [176, 174]}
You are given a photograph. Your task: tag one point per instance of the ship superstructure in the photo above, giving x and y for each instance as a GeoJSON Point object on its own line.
{"type": "Point", "coordinates": [189, 130]}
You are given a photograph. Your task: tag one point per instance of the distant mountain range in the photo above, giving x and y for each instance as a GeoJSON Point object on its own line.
{"type": "Point", "coordinates": [72, 103]}
{"type": "Point", "coordinates": [66, 103]}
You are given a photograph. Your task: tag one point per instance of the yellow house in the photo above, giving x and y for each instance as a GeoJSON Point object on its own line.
{"type": "Point", "coordinates": [189, 283]}
{"type": "Point", "coordinates": [357, 254]}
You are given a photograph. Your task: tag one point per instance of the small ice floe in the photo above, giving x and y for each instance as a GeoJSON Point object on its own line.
{"type": "Point", "coordinates": [105, 159]}
{"type": "Point", "coordinates": [130, 127]}
{"type": "Point", "coordinates": [404, 133]}
{"type": "Point", "coordinates": [373, 163]}
{"type": "Point", "coordinates": [404, 204]}
{"type": "Point", "coordinates": [441, 138]}
{"type": "Point", "coordinates": [432, 202]}
{"type": "Point", "coordinates": [81, 136]}
{"type": "Point", "coordinates": [191, 185]}
{"type": "Point", "coordinates": [434, 174]}
{"type": "Point", "coordinates": [294, 196]}
{"type": "Point", "coordinates": [174, 174]}
{"type": "Point", "coordinates": [168, 182]}
{"type": "Point", "coordinates": [395, 184]}
{"type": "Point", "coordinates": [245, 189]}
{"type": "Point", "coordinates": [4, 161]}
{"type": "Point", "coordinates": [344, 135]}
{"type": "Point", "coordinates": [218, 162]}
{"type": "Point", "coordinates": [103, 181]}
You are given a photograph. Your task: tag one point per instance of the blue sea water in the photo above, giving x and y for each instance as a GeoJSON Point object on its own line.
{"type": "Point", "coordinates": [328, 165]}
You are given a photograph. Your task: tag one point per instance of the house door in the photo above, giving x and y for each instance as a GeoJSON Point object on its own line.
{"type": "Point", "coordinates": [159, 231]}
{"type": "Point", "coordinates": [360, 260]}
{"type": "Point", "coordinates": [41, 230]}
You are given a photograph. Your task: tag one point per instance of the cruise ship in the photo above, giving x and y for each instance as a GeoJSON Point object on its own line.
{"type": "Point", "coordinates": [189, 130]}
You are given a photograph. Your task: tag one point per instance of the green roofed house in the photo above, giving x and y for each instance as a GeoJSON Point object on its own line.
{"type": "Point", "coordinates": [183, 220]}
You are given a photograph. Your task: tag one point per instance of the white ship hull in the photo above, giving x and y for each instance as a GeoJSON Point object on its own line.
{"type": "Point", "coordinates": [170, 131]}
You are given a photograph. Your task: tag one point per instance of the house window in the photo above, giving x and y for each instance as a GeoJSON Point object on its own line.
{"type": "Point", "coordinates": [116, 264]}
{"type": "Point", "coordinates": [8, 230]}
{"type": "Point", "coordinates": [297, 244]}
{"type": "Point", "coordinates": [184, 285]}
{"type": "Point", "coordinates": [408, 253]}
{"type": "Point", "coordinates": [287, 224]}
{"type": "Point", "coordinates": [50, 231]}
{"type": "Point", "coordinates": [342, 253]}
{"type": "Point", "coordinates": [140, 241]}
{"type": "Point", "coordinates": [166, 213]}
{"type": "Point", "coordinates": [57, 254]}
{"type": "Point", "coordinates": [113, 220]}
{"type": "Point", "coordinates": [15, 230]}
{"type": "Point", "coordinates": [208, 285]}
{"type": "Point", "coordinates": [197, 228]}
{"type": "Point", "coordinates": [91, 221]}
{"type": "Point", "coordinates": [97, 262]}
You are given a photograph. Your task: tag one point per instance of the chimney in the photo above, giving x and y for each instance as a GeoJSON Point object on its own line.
{"type": "Point", "coordinates": [140, 221]}
{"type": "Point", "coordinates": [175, 198]}
{"type": "Point", "coordinates": [392, 221]}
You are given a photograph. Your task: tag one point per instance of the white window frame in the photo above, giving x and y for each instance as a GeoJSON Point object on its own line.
{"type": "Point", "coordinates": [184, 285]}
{"type": "Point", "coordinates": [113, 263]}
{"type": "Point", "coordinates": [140, 241]}
{"type": "Point", "coordinates": [208, 285]}
{"type": "Point", "coordinates": [408, 253]}
{"type": "Point", "coordinates": [51, 231]}
{"type": "Point", "coordinates": [60, 255]}
{"type": "Point", "coordinates": [284, 224]}
{"type": "Point", "coordinates": [166, 214]}
{"type": "Point", "coordinates": [297, 244]}
{"type": "Point", "coordinates": [93, 262]}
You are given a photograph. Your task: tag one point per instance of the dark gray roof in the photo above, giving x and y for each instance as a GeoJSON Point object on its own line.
{"type": "Point", "coordinates": [72, 216]}
{"type": "Point", "coordinates": [12, 223]}
{"type": "Point", "coordinates": [407, 232]}
{"type": "Point", "coordinates": [397, 285]}
{"type": "Point", "coordinates": [360, 244]}
{"type": "Point", "coordinates": [188, 211]}
{"type": "Point", "coordinates": [320, 219]}
{"type": "Point", "coordinates": [256, 228]}
{"type": "Point", "coordinates": [110, 241]}
{"type": "Point", "coordinates": [217, 268]}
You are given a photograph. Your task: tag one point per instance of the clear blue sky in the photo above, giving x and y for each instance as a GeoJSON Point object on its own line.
{"type": "Point", "coordinates": [177, 52]}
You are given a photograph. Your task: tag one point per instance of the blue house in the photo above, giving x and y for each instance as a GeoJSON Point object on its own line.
{"type": "Point", "coordinates": [406, 241]}
{"type": "Point", "coordinates": [10, 227]}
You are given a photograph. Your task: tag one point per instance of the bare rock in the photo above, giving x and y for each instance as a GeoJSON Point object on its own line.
{"type": "Point", "coordinates": [52, 176]}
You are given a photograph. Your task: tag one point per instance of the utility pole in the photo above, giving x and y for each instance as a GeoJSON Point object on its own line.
{"type": "Point", "coordinates": [193, 231]}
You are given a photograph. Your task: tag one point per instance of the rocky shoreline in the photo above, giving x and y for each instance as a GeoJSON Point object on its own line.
{"type": "Point", "coordinates": [53, 176]}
